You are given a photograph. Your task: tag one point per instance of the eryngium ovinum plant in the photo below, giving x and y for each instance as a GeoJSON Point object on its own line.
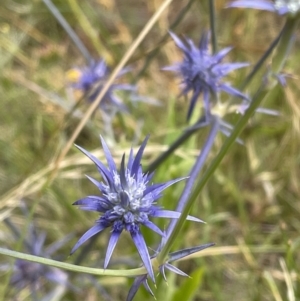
{"type": "Point", "coordinates": [129, 198]}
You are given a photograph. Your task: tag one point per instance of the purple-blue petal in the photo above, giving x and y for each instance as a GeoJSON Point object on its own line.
{"type": "Point", "coordinates": [109, 158]}
{"type": "Point", "coordinates": [256, 4]}
{"type": "Point", "coordinates": [105, 172]}
{"type": "Point", "coordinates": [173, 269]}
{"type": "Point", "coordinates": [93, 203]}
{"type": "Point", "coordinates": [100, 69]}
{"type": "Point", "coordinates": [151, 188]}
{"type": "Point", "coordinates": [124, 199]}
{"type": "Point", "coordinates": [162, 271]}
{"type": "Point", "coordinates": [111, 246]}
{"type": "Point", "coordinates": [58, 276]}
{"type": "Point", "coordinates": [130, 160]}
{"type": "Point", "coordinates": [153, 227]}
{"type": "Point", "coordinates": [178, 42]}
{"type": "Point", "coordinates": [123, 178]}
{"type": "Point", "coordinates": [135, 286]}
{"type": "Point", "coordinates": [206, 100]}
{"type": "Point", "coordinates": [156, 189]}
{"type": "Point", "coordinates": [141, 246]}
{"type": "Point", "coordinates": [137, 160]}
{"type": "Point", "coordinates": [38, 244]}
{"type": "Point", "coordinates": [217, 58]}
{"type": "Point", "coordinates": [87, 235]}
{"type": "Point", "coordinates": [224, 69]}
{"type": "Point", "coordinates": [174, 214]}
{"type": "Point", "coordinates": [99, 185]}
{"type": "Point", "coordinates": [234, 92]}
{"type": "Point", "coordinates": [185, 252]}
{"type": "Point", "coordinates": [204, 41]}
{"type": "Point", "coordinates": [147, 287]}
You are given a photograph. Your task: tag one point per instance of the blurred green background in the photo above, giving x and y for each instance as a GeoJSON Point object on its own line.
{"type": "Point", "coordinates": [251, 205]}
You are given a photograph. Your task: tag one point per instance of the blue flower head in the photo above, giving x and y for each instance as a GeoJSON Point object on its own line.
{"type": "Point", "coordinates": [202, 72]}
{"type": "Point", "coordinates": [128, 201]}
{"type": "Point", "coordinates": [33, 274]}
{"type": "Point", "coordinates": [281, 7]}
{"type": "Point", "coordinates": [91, 79]}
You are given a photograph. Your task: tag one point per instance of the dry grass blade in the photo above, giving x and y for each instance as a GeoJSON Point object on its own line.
{"type": "Point", "coordinates": [288, 280]}
{"type": "Point", "coordinates": [89, 30]}
{"type": "Point", "coordinates": [272, 285]}
{"type": "Point", "coordinates": [116, 71]}
{"type": "Point", "coordinates": [34, 182]}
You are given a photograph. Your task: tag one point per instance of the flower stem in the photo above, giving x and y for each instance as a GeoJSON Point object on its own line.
{"type": "Point", "coordinates": [180, 140]}
{"type": "Point", "coordinates": [212, 21]}
{"type": "Point", "coordinates": [65, 25]}
{"type": "Point", "coordinates": [151, 55]}
{"type": "Point", "coordinates": [198, 166]}
{"type": "Point", "coordinates": [260, 62]}
{"type": "Point", "coordinates": [285, 44]}
{"type": "Point", "coordinates": [262, 94]}
{"type": "Point", "coordinates": [277, 64]}
{"type": "Point", "coordinates": [72, 267]}
{"type": "Point", "coordinates": [171, 233]}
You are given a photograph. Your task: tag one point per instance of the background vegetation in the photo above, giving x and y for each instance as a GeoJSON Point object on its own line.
{"type": "Point", "coordinates": [251, 205]}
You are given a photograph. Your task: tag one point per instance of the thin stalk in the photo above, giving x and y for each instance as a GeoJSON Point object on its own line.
{"type": "Point", "coordinates": [65, 25]}
{"type": "Point", "coordinates": [177, 143]}
{"type": "Point", "coordinates": [94, 105]}
{"type": "Point", "coordinates": [209, 172]}
{"type": "Point", "coordinates": [170, 233]}
{"type": "Point", "coordinates": [154, 52]}
{"type": "Point", "coordinates": [260, 62]}
{"type": "Point", "coordinates": [285, 44]}
{"type": "Point", "coordinates": [89, 30]}
{"type": "Point", "coordinates": [212, 22]}
{"type": "Point", "coordinates": [72, 267]}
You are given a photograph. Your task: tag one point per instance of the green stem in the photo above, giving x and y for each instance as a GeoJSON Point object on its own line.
{"type": "Point", "coordinates": [198, 187]}
{"type": "Point", "coordinates": [72, 34]}
{"type": "Point", "coordinates": [153, 53]}
{"type": "Point", "coordinates": [261, 61]}
{"type": "Point", "coordinates": [72, 267]}
{"type": "Point", "coordinates": [179, 141]}
{"type": "Point", "coordinates": [212, 21]}
{"type": "Point", "coordinates": [171, 234]}
{"type": "Point", "coordinates": [285, 44]}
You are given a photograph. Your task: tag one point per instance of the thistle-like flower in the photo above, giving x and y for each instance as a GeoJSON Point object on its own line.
{"type": "Point", "coordinates": [128, 200]}
{"type": "Point", "coordinates": [281, 7]}
{"type": "Point", "coordinates": [202, 72]}
{"type": "Point", "coordinates": [91, 79]}
{"type": "Point", "coordinates": [31, 274]}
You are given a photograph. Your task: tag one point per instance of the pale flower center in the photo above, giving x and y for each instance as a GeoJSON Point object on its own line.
{"type": "Point", "coordinates": [134, 190]}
